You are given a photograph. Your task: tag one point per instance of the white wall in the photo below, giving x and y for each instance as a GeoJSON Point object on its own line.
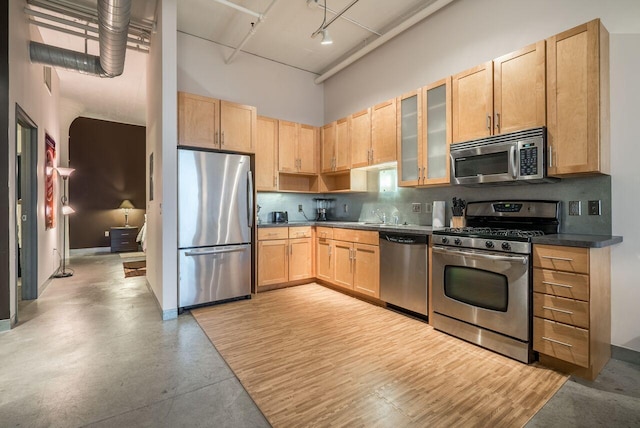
{"type": "Point", "coordinates": [275, 90]}
{"type": "Point", "coordinates": [162, 136]}
{"type": "Point", "coordinates": [27, 88]}
{"type": "Point", "coordinates": [469, 32]}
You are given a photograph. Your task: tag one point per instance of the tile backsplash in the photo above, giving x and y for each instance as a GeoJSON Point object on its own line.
{"type": "Point", "coordinates": [362, 206]}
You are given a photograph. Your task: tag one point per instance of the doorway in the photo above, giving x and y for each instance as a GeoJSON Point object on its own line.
{"type": "Point", "coordinates": [26, 205]}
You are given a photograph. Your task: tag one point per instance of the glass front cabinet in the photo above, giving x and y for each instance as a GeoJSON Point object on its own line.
{"type": "Point", "coordinates": [424, 135]}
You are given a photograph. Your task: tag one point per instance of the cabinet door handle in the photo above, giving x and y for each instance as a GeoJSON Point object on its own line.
{"type": "Point", "coordinates": [498, 121]}
{"type": "Point", "coordinates": [550, 160]}
{"type": "Point", "coordinates": [489, 122]}
{"type": "Point", "coordinates": [222, 138]}
{"type": "Point", "coordinates": [216, 136]}
{"type": "Point", "coordinates": [371, 161]}
{"type": "Point", "coordinates": [564, 259]}
{"type": "Point", "coordinates": [557, 285]}
{"type": "Point", "coordinates": [329, 251]}
{"type": "Point", "coordinates": [558, 342]}
{"type": "Point", "coordinates": [290, 248]}
{"type": "Point", "coordinates": [549, 308]}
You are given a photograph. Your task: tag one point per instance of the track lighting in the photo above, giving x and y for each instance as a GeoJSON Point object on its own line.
{"type": "Point", "coordinates": [326, 38]}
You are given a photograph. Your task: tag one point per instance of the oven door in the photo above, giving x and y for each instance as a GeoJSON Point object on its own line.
{"type": "Point", "coordinates": [483, 288]}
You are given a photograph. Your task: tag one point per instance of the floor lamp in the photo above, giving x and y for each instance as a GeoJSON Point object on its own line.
{"type": "Point", "coordinates": [66, 210]}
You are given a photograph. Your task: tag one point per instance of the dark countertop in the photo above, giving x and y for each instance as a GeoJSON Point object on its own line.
{"type": "Point", "coordinates": [564, 239]}
{"type": "Point", "coordinates": [575, 240]}
{"type": "Point", "coordinates": [359, 225]}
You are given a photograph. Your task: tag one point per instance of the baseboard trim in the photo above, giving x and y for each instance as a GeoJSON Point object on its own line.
{"type": "Point", "coordinates": [625, 354]}
{"type": "Point", "coordinates": [5, 325]}
{"type": "Point", "coordinates": [167, 314]}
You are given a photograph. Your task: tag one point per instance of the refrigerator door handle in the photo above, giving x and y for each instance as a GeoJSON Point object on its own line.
{"type": "Point", "coordinates": [216, 251]}
{"type": "Point", "coordinates": [250, 197]}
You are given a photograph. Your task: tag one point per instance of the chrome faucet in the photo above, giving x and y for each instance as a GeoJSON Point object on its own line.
{"type": "Point", "coordinates": [382, 217]}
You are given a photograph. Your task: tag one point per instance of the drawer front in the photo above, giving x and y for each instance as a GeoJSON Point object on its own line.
{"type": "Point", "coordinates": [353, 235]}
{"type": "Point", "coordinates": [563, 284]}
{"type": "Point", "coordinates": [561, 341]}
{"type": "Point", "coordinates": [300, 232]}
{"type": "Point", "coordinates": [124, 234]}
{"type": "Point", "coordinates": [568, 259]}
{"type": "Point", "coordinates": [324, 232]}
{"type": "Point", "coordinates": [560, 309]}
{"type": "Point", "coordinates": [273, 233]}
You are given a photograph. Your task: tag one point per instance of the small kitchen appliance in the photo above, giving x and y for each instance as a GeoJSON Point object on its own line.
{"type": "Point", "coordinates": [323, 207]}
{"type": "Point", "coordinates": [482, 276]}
{"type": "Point", "coordinates": [280, 217]}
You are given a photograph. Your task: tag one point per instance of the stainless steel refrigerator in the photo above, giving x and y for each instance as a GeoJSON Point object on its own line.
{"type": "Point", "coordinates": [215, 220]}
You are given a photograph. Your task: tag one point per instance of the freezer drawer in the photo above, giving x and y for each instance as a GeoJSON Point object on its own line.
{"type": "Point", "coordinates": [213, 273]}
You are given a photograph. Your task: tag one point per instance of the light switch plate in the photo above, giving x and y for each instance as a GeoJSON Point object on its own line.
{"type": "Point", "coordinates": [416, 207]}
{"type": "Point", "coordinates": [595, 207]}
{"type": "Point", "coordinates": [575, 208]}
{"type": "Point", "coordinates": [106, 233]}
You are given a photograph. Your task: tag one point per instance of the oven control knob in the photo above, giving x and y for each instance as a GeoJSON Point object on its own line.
{"type": "Point", "coordinates": [445, 240]}
{"type": "Point", "coordinates": [488, 244]}
{"type": "Point", "coordinates": [506, 246]}
{"type": "Point", "coordinates": [457, 241]}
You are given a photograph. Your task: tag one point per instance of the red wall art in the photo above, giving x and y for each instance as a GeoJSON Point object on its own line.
{"type": "Point", "coordinates": [49, 164]}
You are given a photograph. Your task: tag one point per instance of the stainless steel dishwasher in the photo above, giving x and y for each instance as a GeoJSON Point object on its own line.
{"type": "Point", "coordinates": [403, 270]}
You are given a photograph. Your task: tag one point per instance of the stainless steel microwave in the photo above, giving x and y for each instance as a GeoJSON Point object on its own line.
{"type": "Point", "coordinates": [513, 158]}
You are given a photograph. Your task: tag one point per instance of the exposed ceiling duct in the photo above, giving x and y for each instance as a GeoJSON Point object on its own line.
{"type": "Point", "coordinates": [113, 28]}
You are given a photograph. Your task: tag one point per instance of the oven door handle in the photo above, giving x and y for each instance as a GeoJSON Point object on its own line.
{"type": "Point", "coordinates": [480, 255]}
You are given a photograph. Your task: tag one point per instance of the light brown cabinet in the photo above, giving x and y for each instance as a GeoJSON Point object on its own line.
{"type": "Point", "coordinates": [360, 144]}
{"type": "Point", "coordinates": [351, 260]}
{"type": "Point", "coordinates": [297, 148]}
{"type": "Point", "coordinates": [335, 146]}
{"type": "Point", "coordinates": [572, 308]}
{"type": "Point", "coordinates": [215, 124]}
{"type": "Point", "coordinates": [383, 132]}
{"type": "Point", "coordinates": [578, 125]}
{"type": "Point", "coordinates": [500, 96]}
{"type": "Point", "coordinates": [266, 154]}
{"type": "Point", "coordinates": [284, 255]}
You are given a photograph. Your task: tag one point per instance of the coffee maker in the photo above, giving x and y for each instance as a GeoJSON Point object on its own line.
{"type": "Point", "coordinates": [323, 208]}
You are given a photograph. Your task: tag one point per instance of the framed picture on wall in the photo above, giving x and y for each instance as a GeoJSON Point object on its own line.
{"type": "Point", "coordinates": [49, 164]}
{"type": "Point", "coordinates": [151, 177]}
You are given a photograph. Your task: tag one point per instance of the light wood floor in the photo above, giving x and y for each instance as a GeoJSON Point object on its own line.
{"type": "Point", "coordinates": [310, 356]}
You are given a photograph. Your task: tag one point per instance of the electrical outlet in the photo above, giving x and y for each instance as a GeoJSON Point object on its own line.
{"type": "Point", "coordinates": [575, 208]}
{"type": "Point", "coordinates": [299, 208]}
{"type": "Point", "coordinates": [428, 207]}
{"type": "Point", "coordinates": [416, 207]}
{"type": "Point", "coordinates": [106, 233]}
{"type": "Point", "coordinates": [595, 207]}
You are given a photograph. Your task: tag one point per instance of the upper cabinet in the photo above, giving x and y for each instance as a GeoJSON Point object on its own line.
{"type": "Point", "coordinates": [578, 101]}
{"type": "Point", "coordinates": [267, 154]}
{"type": "Point", "coordinates": [335, 146]}
{"type": "Point", "coordinates": [410, 141]}
{"type": "Point", "coordinates": [297, 148]}
{"type": "Point", "coordinates": [360, 130]}
{"type": "Point", "coordinates": [215, 124]}
{"type": "Point", "coordinates": [383, 132]}
{"type": "Point", "coordinates": [437, 132]}
{"type": "Point", "coordinates": [424, 135]}
{"type": "Point", "coordinates": [500, 96]}
{"type": "Point", "coordinates": [328, 139]}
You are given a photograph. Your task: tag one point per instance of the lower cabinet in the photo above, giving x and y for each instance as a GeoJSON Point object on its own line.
{"type": "Point", "coordinates": [349, 259]}
{"type": "Point", "coordinates": [571, 308]}
{"type": "Point", "coordinates": [282, 260]}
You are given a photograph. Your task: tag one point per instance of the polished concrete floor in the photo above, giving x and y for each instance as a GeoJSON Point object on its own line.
{"type": "Point", "coordinates": [92, 351]}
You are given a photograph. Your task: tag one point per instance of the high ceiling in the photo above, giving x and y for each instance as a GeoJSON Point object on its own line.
{"type": "Point", "coordinates": [283, 34]}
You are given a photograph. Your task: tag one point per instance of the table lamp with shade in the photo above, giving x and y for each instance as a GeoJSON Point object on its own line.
{"type": "Point", "coordinates": [126, 205]}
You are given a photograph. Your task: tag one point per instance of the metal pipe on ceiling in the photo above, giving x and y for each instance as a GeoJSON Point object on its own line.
{"type": "Point", "coordinates": [240, 8]}
{"type": "Point", "coordinates": [414, 19]}
{"type": "Point", "coordinates": [251, 32]}
{"type": "Point", "coordinates": [113, 21]}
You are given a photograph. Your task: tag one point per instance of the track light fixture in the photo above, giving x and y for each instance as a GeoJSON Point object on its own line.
{"type": "Point", "coordinates": [326, 38]}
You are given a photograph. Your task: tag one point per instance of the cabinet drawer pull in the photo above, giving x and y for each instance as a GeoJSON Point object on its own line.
{"type": "Point", "coordinates": [564, 259]}
{"type": "Point", "coordinates": [558, 342]}
{"type": "Point", "coordinates": [549, 308]}
{"type": "Point", "coordinates": [557, 285]}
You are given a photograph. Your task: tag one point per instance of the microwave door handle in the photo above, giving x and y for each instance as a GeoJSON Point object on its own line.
{"type": "Point", "coordinates": [514, 162]}
{"type": "Point", "coordinates": [477, 255]}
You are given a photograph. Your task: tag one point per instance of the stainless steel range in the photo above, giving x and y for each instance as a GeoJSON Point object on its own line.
{"type": "Point", "coordinates": [482, 283]}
